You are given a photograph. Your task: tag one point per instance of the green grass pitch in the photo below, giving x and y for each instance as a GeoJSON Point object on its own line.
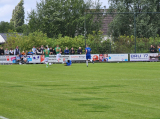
{"type": "Point", "coordinates": [100, 91]}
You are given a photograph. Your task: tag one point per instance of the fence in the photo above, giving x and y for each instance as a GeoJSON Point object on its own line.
{"type": "Point", "coordinates": [126, 32]}
{"type": "Point", "coordinates": [38, 59]}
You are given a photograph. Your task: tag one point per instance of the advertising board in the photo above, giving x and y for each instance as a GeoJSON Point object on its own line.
{"type": "Point", "coordinates": [78, 57]}
{"type": "Point", "coordinates": [3, 59]}
{"type": "Point", "coordinates": [12, 59]}
{"type": "Point", "coordinates": [103, 58]}
{"type": "Point", "coordinates": [144, 57]}
{"type": "Point", "coordinates": [33, 58]}
{"type": "Point", "coordinates": [52, 58]}
{"type": "Point", "coordinates": [118, 57]}
{"type": "Point", "coordinates": [113, 57]}
{"type": "Point", "coordinates": [94, 57]}
{"type": "Point", "coordinates": [7, 59]}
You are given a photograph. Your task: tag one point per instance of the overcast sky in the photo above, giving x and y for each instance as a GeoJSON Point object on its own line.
{"type": "Point", "coordinates": [7, 6]}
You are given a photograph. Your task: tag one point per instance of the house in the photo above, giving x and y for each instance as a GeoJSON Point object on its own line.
{"type": "Point", "coordinates": [106, 20]}
{"type": "Point", "coordinates": [3, 38]}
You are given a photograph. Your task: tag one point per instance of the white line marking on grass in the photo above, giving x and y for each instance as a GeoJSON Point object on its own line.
{"type": "Point", "coordinates": [1, 117]}
{"type": "Point", "coordinates": [48, 81]}
{"type": "Point", "coordinates": [59, 81]}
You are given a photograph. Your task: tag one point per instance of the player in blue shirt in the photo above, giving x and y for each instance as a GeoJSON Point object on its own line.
{"type": "Point", "coordinates": [88, 54]}
{"type": "Point", "coordinates": [159, 48]}
{"type": "Point", "coordinates": [68, 63]}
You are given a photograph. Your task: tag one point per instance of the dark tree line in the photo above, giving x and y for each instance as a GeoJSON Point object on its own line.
{"type": "Point", "coordinates": [147, 24]}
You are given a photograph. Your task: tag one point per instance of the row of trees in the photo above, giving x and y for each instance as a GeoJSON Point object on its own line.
{"type": "Point", "coordinates": [67, 17]}
{"type": "Point", "coordinates": [64, 21]}
{"type": "Point", "coordinates": [55, 17]}
{"type": "Point", "coordinates": [5, 27]}
{"type": "Point", "coordinates": [38, 38]}
{"type": "Point", "coordinates": [17, 21]}
{"type": "Point", "coordinates": [64, 17]}
{"type": "Point", "coordinates": [124, 44]}
{"type": "Point", "coordinates": [147, 24]}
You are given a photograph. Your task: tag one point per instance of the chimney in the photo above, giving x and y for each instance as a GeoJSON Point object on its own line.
{"type": "Point", "coordinates": [104, 10]}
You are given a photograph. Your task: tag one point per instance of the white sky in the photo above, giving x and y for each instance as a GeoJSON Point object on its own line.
{"type": "Point", "coordinates": [7, 6]}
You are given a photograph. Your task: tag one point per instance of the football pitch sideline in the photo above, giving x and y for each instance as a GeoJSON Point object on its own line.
{"type": "Point", "coordinates": [100, 91]}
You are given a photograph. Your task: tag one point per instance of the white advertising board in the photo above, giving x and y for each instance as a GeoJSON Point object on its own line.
{"type": "Point", "coordinates": [52, 58]}
{"type": "Point", "coordinates": [95, 57]}
{"type": "Point", "coordinates": [83, 57]}
{"type": "Point", "coordinates": [33, 58]}
{"type": "Point", "coordinates": [78, 57]}
{"type": "Point", "coordinates": [7, 59]}
{"type": "Point", "coordinates": [144, 57]}
{"type": "Point", "coordinates": [3, 59]}
{"type": "Point", "coordinates": [117, 57]}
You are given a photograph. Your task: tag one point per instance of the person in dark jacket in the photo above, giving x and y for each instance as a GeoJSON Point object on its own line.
{"type": "Point", "coordinates": [42, 48]}
{"type": "Point", "coordinates": [17, 51]}
{"type": "Point", "coordinates": [151, 49]}
{"type": "Point", "coordinates": [154, 49]}
{"type": "Point", "coordinates": [72, 52]}
{"type": "Point", "coordinates": [39, 51]}
{"type": "Point", "coordinates": [1, 51]}
{"type": "Point", "coordinates": [51, 51]}
{"type": "Point", "coordinates": [66, 51]}
{"type": "Point", "coordinates": [54, 52]}
{"type": "Point", "coordinates": [79, 51]}
{"type": "Point", "coordinates": [11, 52]}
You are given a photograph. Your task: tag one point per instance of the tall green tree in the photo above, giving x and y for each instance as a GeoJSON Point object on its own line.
{"type": "Point", "coordinates": [147, 24]}
{"type": "Point", "coordinates": [18, 15]}
{"type": "Point", "coordinates": [5, 27]}
{"type": "Point", "coordinates": [64, 17]}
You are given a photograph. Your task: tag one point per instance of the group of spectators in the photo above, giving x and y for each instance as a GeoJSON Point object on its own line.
{"type": "Point", "coordinates": [22, 56]}
{"type": "Point", "coordinates": [38, 51]}
{"type": "Point", "coordinates": [72, 51]}
{"type": "Point", "coordinates": [153, 49]}
{"type": "Point", "coordinates": [6, 52]}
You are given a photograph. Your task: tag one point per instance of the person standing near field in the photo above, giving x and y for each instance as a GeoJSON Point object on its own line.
{"type": "Point", "coordinates": [158, 48]}
{"type": "Point", "coordinates": [88, 54]}
{"type": "Point", "coordinates": [58, 52]}
{"type": "Point", "coordinates": [46, 53]}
